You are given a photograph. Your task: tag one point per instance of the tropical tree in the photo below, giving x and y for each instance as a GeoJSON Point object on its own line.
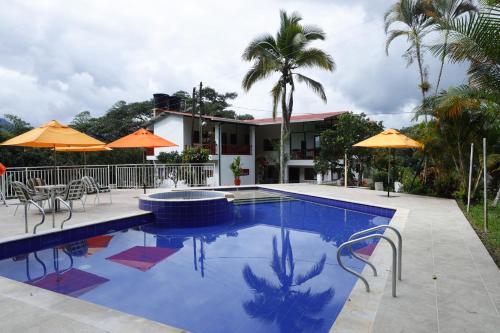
{"type": "Point", "coordinates": [475, 38]}
{"type": "Point", "coordinates": [337, 143]}
{"type": "Point", "coordinates": [444, 12]}
{"type": "Point", "coordinates": [284, 302]}
{"type": "Point", "coordinates": [284, 54]}
{"type": "Point", "coordinates": [411, 22]}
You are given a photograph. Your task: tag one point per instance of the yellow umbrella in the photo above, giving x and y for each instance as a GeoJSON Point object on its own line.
{"type": "Point", "coordinates": [389, 138]}
{"type": "Point", "coordinates": [52, 135]}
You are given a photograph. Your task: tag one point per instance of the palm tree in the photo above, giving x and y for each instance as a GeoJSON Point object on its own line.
{"type": "Point", "coordinates": [475, 38]}
{"type": "Point", "coordinates": [291, 308]}
{"type": "Point", "coordinates": [444, 12]}
{"type": "Point", "coordinates": [284, 54]}
{"type": "Point", "coordinates": [411, 15]}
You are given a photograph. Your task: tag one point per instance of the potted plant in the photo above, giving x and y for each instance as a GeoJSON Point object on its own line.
{"type": "Point", "coordinates": [236, 170]}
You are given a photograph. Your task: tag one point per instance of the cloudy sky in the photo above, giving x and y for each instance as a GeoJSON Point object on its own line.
{"type": "Point", "coordinates": [58, 58]}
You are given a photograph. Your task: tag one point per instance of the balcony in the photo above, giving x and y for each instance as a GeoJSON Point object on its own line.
{"type": "Point", "coordinates": [226, 149]}
{"type": "Point", "coordinates": [236, 149]}
{"type": "Point", "coordinates": [304, 154]}
{"type": "Point", "coordinates": [211, 147]}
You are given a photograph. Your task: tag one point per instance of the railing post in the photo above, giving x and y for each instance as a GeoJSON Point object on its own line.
{"type": "Point", "coordinates": [109, 182]}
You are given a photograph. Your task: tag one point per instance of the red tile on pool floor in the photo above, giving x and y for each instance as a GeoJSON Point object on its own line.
{"type": "Point", "coordinates": [142, 257]}
{"type": "Point", "coordinates": [73, 282]}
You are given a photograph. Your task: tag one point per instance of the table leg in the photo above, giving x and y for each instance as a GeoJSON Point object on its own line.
{"type": "Point", "coordinates": [53, 200]}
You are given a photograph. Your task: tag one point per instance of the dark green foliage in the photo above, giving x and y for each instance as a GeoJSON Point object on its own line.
{"type": "Point", "coordinates": [349, 129]}
{"type": "Point", "coordinates": [213, 103]}
{"type": "Point", "coordinates": [169, 158]}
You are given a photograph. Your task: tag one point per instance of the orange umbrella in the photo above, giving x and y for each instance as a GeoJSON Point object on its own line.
{"type": "Point", "coordinates": [141, 138]}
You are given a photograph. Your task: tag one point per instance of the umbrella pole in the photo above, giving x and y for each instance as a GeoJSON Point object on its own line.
{"type": "Point", "coordinates": [54, 174]}
{"type": "Point", "coordinates": [389, 172]}
{"type": "Point", "coordinates": [143, 167]}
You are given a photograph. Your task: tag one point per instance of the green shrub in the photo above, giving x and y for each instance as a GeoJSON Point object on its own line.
{"type": "Point", "coordinates": [169, 158]}
{"type": "Point", "coordinates": [236, 167]}
{"type": "Point", "coordinates": [195, 155]}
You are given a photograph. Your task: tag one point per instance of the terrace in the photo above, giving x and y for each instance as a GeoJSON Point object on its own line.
{"type": "Point", "coordinates": [449, 280]}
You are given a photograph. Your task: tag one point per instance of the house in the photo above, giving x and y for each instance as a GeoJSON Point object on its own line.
{"type": "Point", "coordinates": [255, 141]}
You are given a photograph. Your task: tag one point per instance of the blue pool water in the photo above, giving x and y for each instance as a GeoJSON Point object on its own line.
{"type": "Point", "coordinates": [272, 268]}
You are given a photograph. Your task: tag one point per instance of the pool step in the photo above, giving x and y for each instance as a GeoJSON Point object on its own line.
{"type": "Point", "coordinates": [262, 200]}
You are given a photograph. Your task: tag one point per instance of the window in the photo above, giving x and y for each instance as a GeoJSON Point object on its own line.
{"type": "Point", "coordinates": [196, 137]}
{"type": "Point", "coordinates": [233, 139]}
{"type": "Point", "coordinates": [267, 145]}
{"type": "Point", "coordinates": [224, 138]}
{"type": "Point", "coordinates": [309, 174]}
{"type": "Point", "coordinates": [247, 139]}
{"type": "Point", "coordinates": [317, 142]}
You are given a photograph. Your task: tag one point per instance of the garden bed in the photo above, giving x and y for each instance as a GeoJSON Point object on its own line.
{"type": "Point", "coordinates": [491, 240]}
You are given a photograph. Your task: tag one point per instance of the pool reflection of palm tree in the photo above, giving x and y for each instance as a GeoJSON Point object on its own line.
{"type": "Point", "coordinates": [293, 308]}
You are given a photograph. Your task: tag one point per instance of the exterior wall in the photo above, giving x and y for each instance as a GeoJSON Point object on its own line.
{"type": "Point", "coordinates": [247, 161]}
{"type": "Point", "coordinates": [172, 129]}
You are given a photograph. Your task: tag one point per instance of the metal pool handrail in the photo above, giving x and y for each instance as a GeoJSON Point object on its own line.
{"type": "Point", "coordinates": [70, 210]}
{"type": "Point", "coordinates": [353, 272]}
{"type": "Point", "coordinates": [43, 216]}
{"type": "Point", "coordinates": [400, 246]}
{"type": "Point", "coordinates": [28, 274]}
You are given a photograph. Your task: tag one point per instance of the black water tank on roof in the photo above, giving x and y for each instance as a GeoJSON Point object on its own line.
{"type": "Point", "coordinates": [161, 101]}
{"type": "Point", "coordinates": [175, 103]}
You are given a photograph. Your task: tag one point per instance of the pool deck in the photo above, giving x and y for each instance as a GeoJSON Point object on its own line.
{"type": "Point", "coordinates": [450, 283]}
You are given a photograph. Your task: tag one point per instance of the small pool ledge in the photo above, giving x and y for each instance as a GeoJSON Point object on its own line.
{"type": "Point", "coordinates": [188, 208]}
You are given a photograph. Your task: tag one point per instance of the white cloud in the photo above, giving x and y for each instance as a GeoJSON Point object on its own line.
{"type": "Point", "coordinates": [58, 58]}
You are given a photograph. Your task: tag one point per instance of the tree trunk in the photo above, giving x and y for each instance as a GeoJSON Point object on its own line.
{"type": "Point", "coordinates": [421, 71]}
{"type": "Point", "coordinates": [442, 62]}
{"type": "Point", "coordinates": [497, 198]}
{"type": "Point", "coordinates": [283, 136]}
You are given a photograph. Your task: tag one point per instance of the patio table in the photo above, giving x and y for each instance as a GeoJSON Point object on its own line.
{"type": "Point", "coordinates": [52, 189]}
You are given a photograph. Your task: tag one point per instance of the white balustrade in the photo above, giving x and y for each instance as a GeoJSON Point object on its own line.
{"type": "Point", "coordinates": [118, 175]}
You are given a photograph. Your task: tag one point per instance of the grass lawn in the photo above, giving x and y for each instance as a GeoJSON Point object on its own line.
{"type": "Point", "coordinates": [492, 239]}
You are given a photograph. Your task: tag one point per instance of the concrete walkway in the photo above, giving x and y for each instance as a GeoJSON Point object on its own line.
{"type": "Point", "coordinates": [450, 283]}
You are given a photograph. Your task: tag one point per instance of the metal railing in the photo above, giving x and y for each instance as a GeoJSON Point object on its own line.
{"type": "Point", "coordinates": [119, 175]}
{"type": "Point", "coordinates": [396, 254]}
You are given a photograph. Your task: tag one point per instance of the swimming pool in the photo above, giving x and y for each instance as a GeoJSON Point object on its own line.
{"type": "Point", "coordinates": [270, 268]}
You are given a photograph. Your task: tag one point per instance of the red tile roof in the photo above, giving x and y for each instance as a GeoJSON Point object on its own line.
{"type": "Point", "coordinates": [264, 121]}
{"type": "Point", "coordinates": [296, 119]}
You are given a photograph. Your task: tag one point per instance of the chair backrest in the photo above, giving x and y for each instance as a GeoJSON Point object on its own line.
{"type": "Point", "coordinates": [74, 190]}
{"type": "Point", "coordinates": [89, 185]}
{"type": "Point", "coordinates": [32, 182]}
{"type": "Point", "coordinates": [22, 192]}
{"type": "Point", "coordinates": [94, 182]}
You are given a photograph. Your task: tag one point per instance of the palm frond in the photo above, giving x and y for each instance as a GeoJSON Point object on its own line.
{"type": "Point", "coordinates": [313, 272]}
{"type": "Point", "coordinates": [312, 32]}
{"type": "Point", "coordinates": [257, 284]}
{"type": "Point", "coordinates": [314, 85]}
{"type": "Point", "coordinates": [261, 69]}
{"type": "Point", "coordinates": [314, 57]}
{"type": "Point", "coordinates": [262, 46]}
{"type": "Point", "coordinates": [392, 35]}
